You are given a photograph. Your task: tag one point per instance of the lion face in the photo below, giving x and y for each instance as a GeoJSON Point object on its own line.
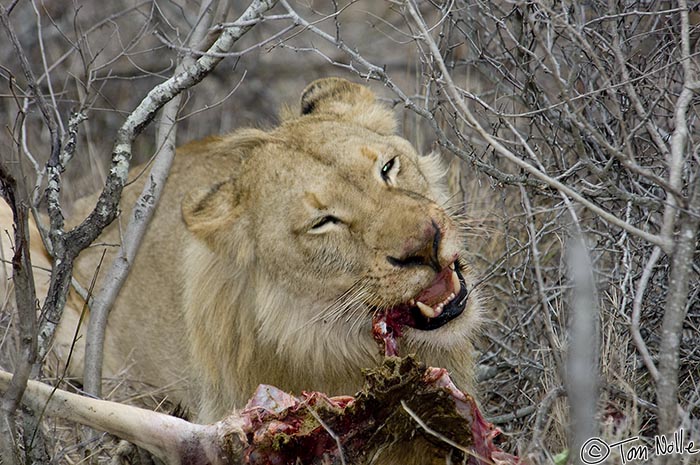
{"type": "Point", "coordinates": [336, 218]}
{"type": "Point", "coordinates": [366, 226]}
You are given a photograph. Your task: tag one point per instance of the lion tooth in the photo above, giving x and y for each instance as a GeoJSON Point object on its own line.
{"type": "Point", "coordinates": [452, 266]}
{"type": "Point", "coordinates": [412, 302]}
{"type": "Point", "coordinates": [455, 281]}
{"type": "Point", "coordinates": [426, 310]}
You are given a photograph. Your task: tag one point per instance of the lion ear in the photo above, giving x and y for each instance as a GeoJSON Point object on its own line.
{"type": "Point", "coordinates": [211, 213]}
{"type": "Point", "coordinates": [349, 101]}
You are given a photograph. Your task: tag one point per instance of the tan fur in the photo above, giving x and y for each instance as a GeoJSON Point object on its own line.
{"type": "Point", "coordinates": [231, 287]}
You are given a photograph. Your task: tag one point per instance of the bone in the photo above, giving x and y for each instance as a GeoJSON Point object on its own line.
{"type": "Point", "coordinates": [173, 440]}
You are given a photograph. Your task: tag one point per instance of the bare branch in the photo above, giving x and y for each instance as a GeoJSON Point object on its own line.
{"type": "Point", "coordinates": [637, 313]}
{"type": "Point", "coordinates": [675, 312]}
{"type": "Point", "coordinates": [32, 83]}
{"type": "Point", "coordinates": [582, 374]}
{"type": "Point", "coordinates": [542, 418]}
{"type": "Point", "coordinates": [25, 298]}
{"type": "Point", "coordinates": [507, 154]}
{"type": "Point", "coordinates": [680, 134]}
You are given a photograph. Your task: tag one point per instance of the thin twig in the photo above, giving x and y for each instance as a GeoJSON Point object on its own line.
{"type": "Point", "coordinates": [543, 415]}
{"type": "Point", "coordinates": [554, 344]}
{"type": "Point", "coordinates": [434, 433]}
{"type": "Point", "coordinates": [331, 433]}
{"type": "Point", "coordinates": [637, 313]}
{"type": "Point", "coordinates": [508, 417]}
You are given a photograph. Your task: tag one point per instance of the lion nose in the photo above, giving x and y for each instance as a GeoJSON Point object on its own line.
{"type": "Point", "coordinates": [426, 254]}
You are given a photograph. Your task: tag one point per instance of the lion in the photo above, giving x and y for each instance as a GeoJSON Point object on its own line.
{"type": "Point", "coordinates": [270, 252]}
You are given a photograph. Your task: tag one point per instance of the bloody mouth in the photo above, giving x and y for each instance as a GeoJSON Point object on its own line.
{"type": "Point", "coordinates": [443, 300]}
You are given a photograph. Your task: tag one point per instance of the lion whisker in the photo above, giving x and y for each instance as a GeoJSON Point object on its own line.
{"type": "Point", "coordinates": [358, 314]}
{"type": "Point", "coordinates": [336, 309]}
{"type": "Point", "coordinates": [357, 305]}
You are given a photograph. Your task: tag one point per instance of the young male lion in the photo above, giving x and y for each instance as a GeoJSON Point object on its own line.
{"type": "Point", "coordinates": [272, 250]}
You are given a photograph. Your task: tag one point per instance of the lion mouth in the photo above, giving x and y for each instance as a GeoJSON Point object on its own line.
{"type": "Point", "coordinates": [443, 300]}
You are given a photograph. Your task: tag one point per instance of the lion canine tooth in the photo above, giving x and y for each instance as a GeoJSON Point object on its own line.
{"type": "Point", "coordinates": [452, 265]}
{"type": "Point", "coordinates": [412, 302]}
{"type": "Point", "coordinates": [455, 281]}
{"type": "Point", "coordinates": [426, 310]}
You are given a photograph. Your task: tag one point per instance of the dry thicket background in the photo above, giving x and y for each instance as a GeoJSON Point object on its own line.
{"type": "Point", "coordinates": [572, 133]}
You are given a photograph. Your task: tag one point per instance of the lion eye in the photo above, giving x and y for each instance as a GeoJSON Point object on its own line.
{"type": "Point", "coordinates": [322, 224]}
{"type": "Point", "coordinates": [390, 169]}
